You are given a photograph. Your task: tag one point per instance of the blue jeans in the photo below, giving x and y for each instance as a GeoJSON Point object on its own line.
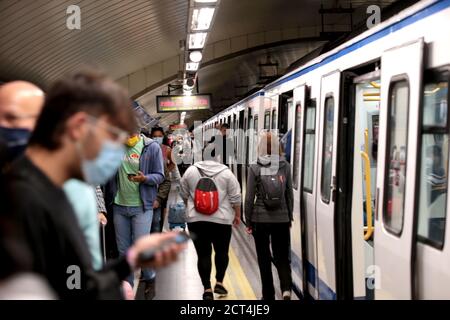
{"type": "Point", "coordinates": [156, 223]}
{"type": "Point", "coordinates": [132, 223]}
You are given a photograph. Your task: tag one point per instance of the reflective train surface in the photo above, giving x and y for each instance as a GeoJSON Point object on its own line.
{"type": "Point", "coordinates": [369, 124]}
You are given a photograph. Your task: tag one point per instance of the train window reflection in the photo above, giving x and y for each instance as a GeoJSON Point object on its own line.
{"type": "Point", "coordinates": [298, 122]}
{"type": "Point", "coordinates": [434, 165]}
{"type": "Point", "coordinates": [327, 152]}
{"type": "Point", "coordinates": [310, 133]}
{"type": "Point", "coordinates": [396, 148]}
{"type": "Point", "coordinates": [274, 119]}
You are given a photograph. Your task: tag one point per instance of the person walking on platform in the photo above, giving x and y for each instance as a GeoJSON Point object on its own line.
{"type": "Point", "coordinates": [134, 190]}
{"type": "Point", "coordinates": [210, 222]}
{"type": "Point", "coordinates": [160, 202]}
{"type": "Point", "coordinates": [79, 135]}
{"type": "Point", "coordinates": [268, 211]}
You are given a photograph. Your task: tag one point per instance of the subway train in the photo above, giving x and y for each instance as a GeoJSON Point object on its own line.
{"type": "Point", "coordinates": [369, 127]}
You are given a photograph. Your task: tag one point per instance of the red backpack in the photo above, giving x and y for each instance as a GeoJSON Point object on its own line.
{"type": "Point", "coordinates": [206, 197]}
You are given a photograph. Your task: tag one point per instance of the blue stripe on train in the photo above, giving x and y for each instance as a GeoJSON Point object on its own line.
{"type": "Point", "coordinates": [424, 13]}
{"type": "Point", "coordinates": [325, 292]}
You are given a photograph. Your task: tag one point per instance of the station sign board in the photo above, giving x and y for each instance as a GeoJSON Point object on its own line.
{"type": "Point", "coordinates": [183, 103]}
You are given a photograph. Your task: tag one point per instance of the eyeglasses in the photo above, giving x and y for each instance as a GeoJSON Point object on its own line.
{"type": "Point", "coordinates": [118, 134]}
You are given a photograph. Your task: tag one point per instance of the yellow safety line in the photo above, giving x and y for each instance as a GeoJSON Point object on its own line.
{"type": "Point", "coordinates": [235, 276]}
{"type": "Point", "coordinates": [244, 284]}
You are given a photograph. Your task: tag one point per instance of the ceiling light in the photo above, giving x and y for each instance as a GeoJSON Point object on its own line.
{"type": "Point", "coordinates": [201, 18]}
{"type": "Point", "coordinates": [192, 66]}
{"type": "Point", "coordinates": [195, 56]}
{"type": "Point", "coordinates": [197, 40]}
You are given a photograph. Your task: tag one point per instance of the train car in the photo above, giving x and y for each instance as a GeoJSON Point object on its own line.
{"type": "Point", "coordinates": [369, 124]}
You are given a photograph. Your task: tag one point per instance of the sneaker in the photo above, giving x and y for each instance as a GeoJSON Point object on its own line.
{"type": "Point", "coordinates": [208, 295]}
{"type": "Point", "coordinates": [286, 295]}
{"type": "Point", "coordinates": [220, 290]}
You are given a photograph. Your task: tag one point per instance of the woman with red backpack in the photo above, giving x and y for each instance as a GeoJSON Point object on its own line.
{"type": "Point", "coordinates": [268, 213]}
{"type": "Point", "coordinates": [213, 204]}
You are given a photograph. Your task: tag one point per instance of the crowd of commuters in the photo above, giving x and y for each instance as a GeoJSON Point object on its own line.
{"type": "Point", "coordinates": [84, 192]}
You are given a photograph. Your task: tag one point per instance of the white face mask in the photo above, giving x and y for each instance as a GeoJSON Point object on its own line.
{"type": "Point", "coordinates": [159, 140]}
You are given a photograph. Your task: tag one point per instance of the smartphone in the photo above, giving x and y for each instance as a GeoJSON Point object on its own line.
{"type": "Point", "coordinates": [131, 175]}
{"type": "Point", "coordinates": [149, 255]}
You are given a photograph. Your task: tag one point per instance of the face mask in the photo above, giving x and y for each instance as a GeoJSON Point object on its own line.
{"type": "Point", "coordinates": [159, 140]}
{"type": "Point", "coordinates": [429, 162]}
{"type": "Point", "coordinates": [131, 142]}
{"type": "Point", "coordinates": [16, 140]}
{"type": "Point", "coordinates": [99, 170]}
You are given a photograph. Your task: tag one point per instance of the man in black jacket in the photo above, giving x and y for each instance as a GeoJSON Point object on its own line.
{"type": "Point", "coordinates": [79, 134]}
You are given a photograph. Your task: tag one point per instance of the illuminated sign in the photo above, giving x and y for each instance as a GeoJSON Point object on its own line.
{"type": "Point", "coordinates": [183, 103]}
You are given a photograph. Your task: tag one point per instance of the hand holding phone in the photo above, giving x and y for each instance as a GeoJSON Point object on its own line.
{"type": "Point", "coordinates": [147, 256]}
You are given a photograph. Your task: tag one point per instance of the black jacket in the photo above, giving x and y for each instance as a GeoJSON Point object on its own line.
{"type": "Point", "coordinates": [52, 233]}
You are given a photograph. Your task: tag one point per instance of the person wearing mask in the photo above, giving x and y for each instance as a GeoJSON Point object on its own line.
{"type": "Point", "coordinates": [268, 209]}
{"type": "Point", "coordinates": [20, 105]}
{"type": "Point", "coordinates": [212, 230]}
{"type": "Point", "coordinates": [79, 134]}
{"type": "Point", "coordinates": [134, 190]}
{"type": "Point", "coordinates": [160, 202]}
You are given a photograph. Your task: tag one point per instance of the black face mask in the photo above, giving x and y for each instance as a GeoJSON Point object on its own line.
{"type": "Point", "coordinates": [16, 141]}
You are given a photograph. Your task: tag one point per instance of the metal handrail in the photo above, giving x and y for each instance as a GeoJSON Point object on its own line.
{"type": "Point", "coordinates": [365, 155]}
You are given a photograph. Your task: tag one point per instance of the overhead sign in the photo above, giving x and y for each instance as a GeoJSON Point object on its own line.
{"type": "Point", "coordinates": [183, 103]}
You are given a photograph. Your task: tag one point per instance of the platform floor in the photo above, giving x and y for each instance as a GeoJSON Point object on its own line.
{"type": "Point", "coordinates": [181, 281]}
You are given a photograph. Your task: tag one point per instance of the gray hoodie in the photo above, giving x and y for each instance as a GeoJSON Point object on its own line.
{"type": "Point", "coordinates": [255, 210]}
{"type": "Point", "coordinates": [227, 184]}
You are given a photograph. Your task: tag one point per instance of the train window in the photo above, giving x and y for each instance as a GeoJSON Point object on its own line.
{"type": "Point", "coordinates": [395, 181]}
{"type": "Point", "coordinates": [267, 120]}
{"type": "Point", "coordinates": [296, 167]}
{"type": "Point", "coordinates": [310, 134]}
{"type": "Point", "coordinates": [327, 152]}
{"type": "Point", "coordinates": [255, 124]}
{"type": "Point", "coordinates": [434, 163]}
{"type": "Point", "coordinates": [274, 119]}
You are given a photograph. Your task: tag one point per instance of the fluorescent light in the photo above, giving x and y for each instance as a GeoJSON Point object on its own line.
{"type": "Point", "coordinates": [192, 66]}
{"type": "Point", "coordinates": [197, 40]}
{"type": "Point", "coordinates": [201, 18]}
{"type": "Point", "coordinates": [195, 56]}
{"type": "Point", "coordinates": [205, 1]}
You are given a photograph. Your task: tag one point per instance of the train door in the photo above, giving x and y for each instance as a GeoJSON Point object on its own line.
{"type": "Point", "coordinates": [298, 254]}
{"type": "Point", "coordinates": [401, 77]}
{"type": "Point", "coordinates": [364, 100]}
{"type": "Point", "coordinates": [326, 185]}
{"type": "Point", "coordinates": [240, 145]}
{"type": "Point", "coordinates": [432, 276]}
{"type": "Point", "coordinates": [248, 124]}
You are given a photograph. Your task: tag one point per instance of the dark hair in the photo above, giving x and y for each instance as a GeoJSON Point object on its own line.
{"type": "Point", "coordinates": [90, 91]}
{"type": "Point", "coordinates": [225, 125]}
{"type": "Point", "coordinates": [156, 129]}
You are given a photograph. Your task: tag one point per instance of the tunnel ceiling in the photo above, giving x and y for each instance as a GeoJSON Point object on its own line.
{"type": "Point", "coordinates": [123, 37]}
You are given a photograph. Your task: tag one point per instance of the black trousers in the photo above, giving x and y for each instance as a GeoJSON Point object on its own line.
{"type": "Point", "coordinates": [277, 236]}
{"type": "Point", "coordinates": [207, 235]}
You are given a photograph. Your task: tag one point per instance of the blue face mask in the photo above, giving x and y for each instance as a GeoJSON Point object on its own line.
{"type": "Point", "coordinates": [159, 140]}
{"type": "Point", "coordinates": [99, 170]}
{"type": "Point", "coordinates": [16, 140]}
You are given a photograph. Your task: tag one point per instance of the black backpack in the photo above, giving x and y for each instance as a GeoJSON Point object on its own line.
{"type": "Point", "coordinates": [272, 188]}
